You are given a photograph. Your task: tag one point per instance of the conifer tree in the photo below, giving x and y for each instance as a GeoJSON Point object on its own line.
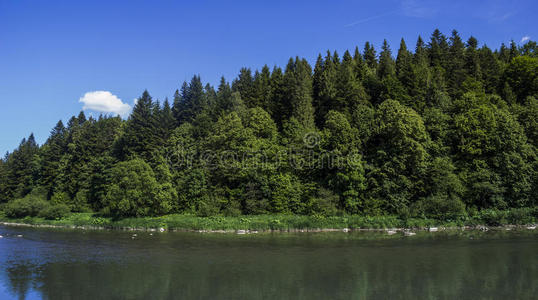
{"type": "Point", "coordinates": [141, 131]}
{"type": "Point", "coordinates": [438, 49]}
{"type": "Point", "coordinates": [262, 88]}
{"type": "Point", "coordinates": [244, 84]}
{"type": "Point", "coordinates": [298, 86]}
{"type": "Point", "coordinates": [224, 97]}
{"type": "Point", "coordinates": [472, 62]}
{"type": "Point", "coordinates": [167, 121]}
{"type": "Point", "coordinates": [386, 63]}
{"type": "Point", "coordinates": [277, 109]}
{"type": "Point", "coordinates": [324, 86]}
{"type": "Point", "coordinates": [51, 153]}
{"type": "Point", "coordinates": [370, 56]}
{"type": "Point", "coordinates": [456, 67]}
{"type": "Point", "coordinates": [349, 90]}
{"type": "Point", "coordinates": [177, 105]}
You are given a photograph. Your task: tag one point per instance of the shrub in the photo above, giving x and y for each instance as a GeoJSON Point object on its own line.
{"type": "Point", "coordinates": [60, 198]}
{"type": "Point", "coordinates": [493, 217]}
{"type": "Point", "coordinates": [520, 216]}
{"type": "Point", "coordinates": [54, 212]}
{"type": "Point", "coordinates": [440, 207]}
{"type": "Point", "coordinates": [30, 206]}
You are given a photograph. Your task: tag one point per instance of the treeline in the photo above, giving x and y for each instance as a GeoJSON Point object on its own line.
{"type": "Point", "coordinates": [443, 131]}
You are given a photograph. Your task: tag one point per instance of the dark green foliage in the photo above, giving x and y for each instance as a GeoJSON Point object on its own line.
{"type": "Point", "coordinates": [54, 212]}
{"type": "Point", "coordinates": [134, 191]}
{"type": "Point", "coordinates": [522, 76]}
{"type": "Point", "coordinates": [31, 205]}
{"type": "Point", "coordinates": [22, 169]}
{"type": "Point", "coordinates": [448, 132]}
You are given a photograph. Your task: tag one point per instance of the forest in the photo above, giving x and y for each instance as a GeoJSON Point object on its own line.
{"type": "Point", "coordinates": [441, 130]}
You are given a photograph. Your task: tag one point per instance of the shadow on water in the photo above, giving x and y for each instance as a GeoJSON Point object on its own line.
{"type": "Point", "coordinates": [65, 264]}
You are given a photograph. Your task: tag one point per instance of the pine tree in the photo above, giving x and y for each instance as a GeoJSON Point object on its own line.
{"type": "Point", "coordinates": [22, 168]}
{"type": "Point", "coordinates": [3, 180]}
{"type": "Point", "coordinates": [472, 63]}
{"type": "Point", "coordinates": [262, 88]}
{"type": "Point", "coordinates": [141, 132]}
{"type": "Point", "coordinates": [167, 121]}
{"type": "Point", "coordinates": [360, 64]}
{"type": "Point", "coordinates": [324, 86]}
{"type": "Point", "coordinates": [51, 153]}
{"type": "Point", "coordinates": [177, 105]}
{"type": "Point", "coordinates": [81, 118]}
{"type": "Point", "coordinates": [349, 90]}
{"type": "Point", "coordinates": [438, 49]}
{"type": "Point", "coordinates": [244, 84]}
{"type": "Point", "coordinates": [503, 54]}
{"type": "Point", "coordinates": [420, 51]}
{"type": "Point", "coordinates": [298, 86]}
{"type": "Point", "coordinates": [386, 63]}
{"type": "Point", "coordinates": [456, 66]}
{"type": "Point", "coordinates": [370, 56]}
{"type": "Point", "coordinates": [404, 67]}
{"type": "Point", "coordinates": [279, 113]}
{"type": "Point", "coordinates": [513, 50]}
{"type": "Point", "coordinates": [224, 97]}
{"type": "Point", "coordinates": [491, 70]}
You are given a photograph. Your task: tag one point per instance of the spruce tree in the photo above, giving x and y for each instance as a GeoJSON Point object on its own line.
{"type": "Point", "coordinates": [456, 66]}
{"type": "Point", "coordinates": [244, 84]}
{"type": "Point", "coordinates": [177, 106]}
{"type": "Point", "coordinates": [438, 49]}
{"type": "Point", "coordinates": [370, 56]}
{"type": "Point", "coordinates": [349, 90]}
{"type": "Point", "coordinates": [386, 63]}
{"type": "Point", "coordinates": [298, 86]}
{"type": "Point", "coordinates": [262, 88]}
{"type": "Point", "coordinates": [51, 153]}
{"type": "Point", "coordinates": [141, 132]}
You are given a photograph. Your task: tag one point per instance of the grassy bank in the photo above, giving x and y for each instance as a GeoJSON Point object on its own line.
{"type": "Point", "coordinates": [282, 222]}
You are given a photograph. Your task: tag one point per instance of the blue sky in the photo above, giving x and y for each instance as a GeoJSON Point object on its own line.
{"type": "Point", "coordinates": [54, 52]}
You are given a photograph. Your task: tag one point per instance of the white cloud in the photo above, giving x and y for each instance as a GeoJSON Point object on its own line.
{"type": "Point", "coordinates": [525, 38]}
{"type": "Point", "coordinates": [104, 101]}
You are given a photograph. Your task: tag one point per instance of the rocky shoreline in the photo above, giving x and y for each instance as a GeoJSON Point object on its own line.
{"type": "Point", "coordinates": [389, 231]}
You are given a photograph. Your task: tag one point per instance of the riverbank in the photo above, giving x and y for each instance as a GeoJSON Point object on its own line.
{"type": "Point", "coordinates": [258, 223]}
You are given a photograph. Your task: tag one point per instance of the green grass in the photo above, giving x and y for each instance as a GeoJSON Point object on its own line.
{"type": "Point", "coordinates": [282, 222]}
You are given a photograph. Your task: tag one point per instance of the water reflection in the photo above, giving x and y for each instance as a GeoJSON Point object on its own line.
{"type": "Point", "coordinates": [60, 264]}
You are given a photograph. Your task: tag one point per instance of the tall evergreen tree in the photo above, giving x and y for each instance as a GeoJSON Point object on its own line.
{"type": "Point", "coordinates": [472, 60]}
{"type": "Point", "coordinates": [51, 153]}
{"type": "Point", "coordinates": [386, 63]}
{"type": "Point", "coordinates": [177, 104]}
{"type": "Point", "coordinates": [298, 86]}
{"type": "Point", "coordinates": [141, 131]}
{"type": "Point", "coordinates": [370, 56]}
{"type": "Point", "coordinates": [324, 86]}
{"type": "Point", "coordinates": [166, 120]}
{"type": "Point", "coordinates": [244, 84]}
{"type": "Point", "coordinates": [262, 88]}
{"type": "Point", "coordinates": [438, 49]}
{"type": "Point", "coordinates": [456, 67]}
{"type": "Point", "coordinates": [349, 90]}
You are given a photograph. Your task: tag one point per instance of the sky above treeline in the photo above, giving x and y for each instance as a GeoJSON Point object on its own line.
{"type": "Point", "coordinates": [59, 57]}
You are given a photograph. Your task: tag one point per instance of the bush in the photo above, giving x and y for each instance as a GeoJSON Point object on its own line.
{"type": "Point", "coordinates": [31, 206]}
{"type": "Point", "coordinates": [60, 198]}
{"type": "Point", "coordinates": [493, 217]}
{"type": "Point", "coordinates": [54, 212]}
{"type": "Point", "coordinates": [439, 207]}
{"type": "Point", "coordinates": [521, 216]}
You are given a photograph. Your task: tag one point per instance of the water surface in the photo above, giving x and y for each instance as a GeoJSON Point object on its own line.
{"type": "Point", "coordinates": [76, 264]}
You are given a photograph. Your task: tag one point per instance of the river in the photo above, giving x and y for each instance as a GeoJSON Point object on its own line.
{"type": "Point", "coordinates": [79, 264]}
